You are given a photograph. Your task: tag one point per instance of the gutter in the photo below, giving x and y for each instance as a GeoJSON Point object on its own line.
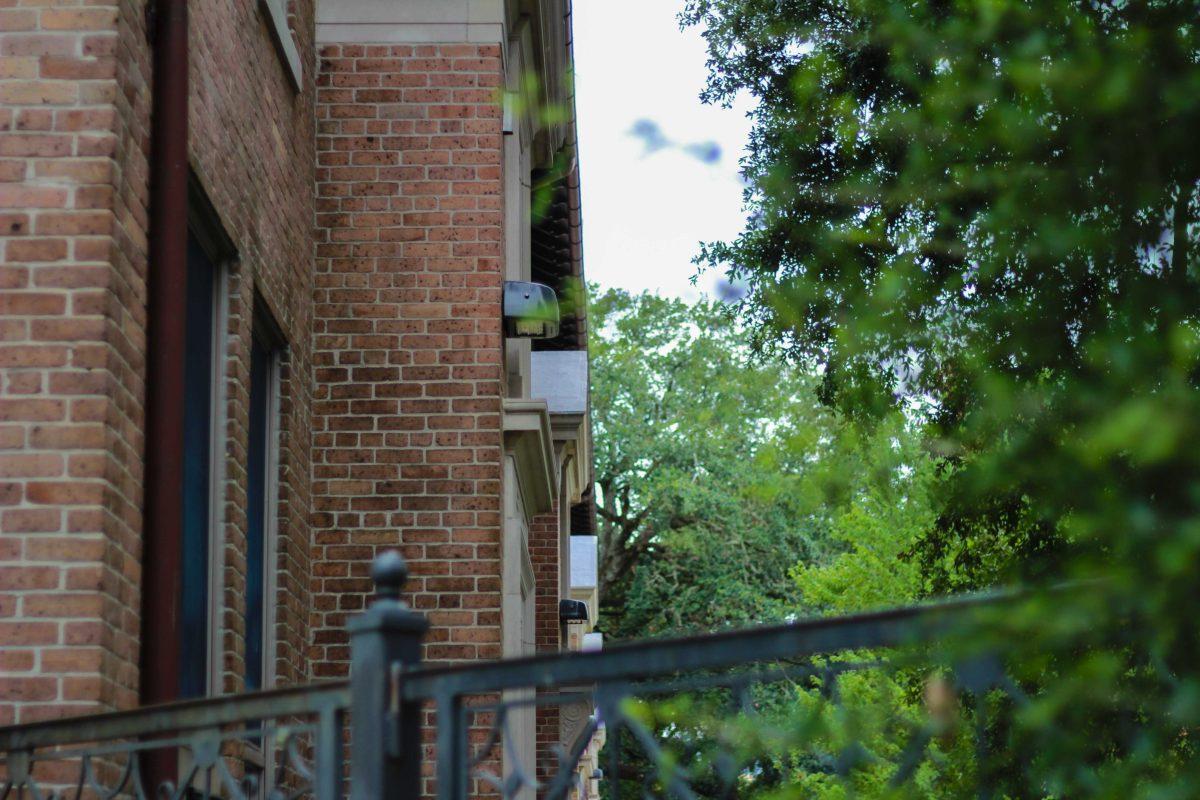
{"type": "Point", "coordinates": [575, 217]}
{"type": "Point", "coordinates": [572, 145]}
{"type": "Point", "coordinates": [162, 540]}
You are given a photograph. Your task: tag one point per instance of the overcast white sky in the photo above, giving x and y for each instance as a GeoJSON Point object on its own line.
{"type": "Point", "coordinates": [653, 185]}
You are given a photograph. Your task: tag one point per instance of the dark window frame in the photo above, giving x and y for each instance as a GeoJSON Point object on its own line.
{"type": "Point", "coordinates": [268, 352]}
{"type": "Point", "coordinates": [201, 595]}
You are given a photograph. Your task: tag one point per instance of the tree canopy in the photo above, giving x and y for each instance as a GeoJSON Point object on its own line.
{"type": "Point", "coordinates": [729, 496]}
{"type": "Point", "coordinates": [689, 464]}
{"type": "Point", "coordinates": [985, 213]}
{"type": "Point", "coordinates": [987, 208]}
{"type": "Point", "coordinates": [718, 472]}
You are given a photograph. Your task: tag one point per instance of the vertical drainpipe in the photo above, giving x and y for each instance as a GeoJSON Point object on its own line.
{"type": "Point", "coordinates": [162, 541]}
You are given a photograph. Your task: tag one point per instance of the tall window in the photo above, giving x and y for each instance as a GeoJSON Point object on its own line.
{"type": "Point", "coordinates": [200, 428]}
{"type": "Point", "coordinates": [262, 465]}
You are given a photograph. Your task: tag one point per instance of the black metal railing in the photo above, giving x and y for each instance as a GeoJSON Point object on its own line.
{"type": "Point", "coordinates": [279, 743]}
{"type": "Point", "coordinates": [719, 675]}
{"type": "Point", "coordinates": [682, 718]}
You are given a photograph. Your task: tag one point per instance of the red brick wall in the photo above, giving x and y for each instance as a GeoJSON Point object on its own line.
{"type": "Point", "coordinates": [74, 174]}
{"type": "Point", "coordinates": [543, 552]}
{"type": "Point", "coordinates": [252, 148]}
{"type": "Point", "coordinates": [73, 146]}
{"type": "Point", "coordinates": [407, 354]}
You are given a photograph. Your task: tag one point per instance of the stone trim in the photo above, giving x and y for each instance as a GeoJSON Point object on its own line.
{"type": "Point", "coordinates": [527, 436]}
{"type": "Point", "coordinates": [411, 22]}
{"type": "Point", "coordinates": [281, 35]}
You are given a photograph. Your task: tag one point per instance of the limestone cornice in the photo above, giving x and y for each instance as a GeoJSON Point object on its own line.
{"type": "Point", "coordinates": [411, 21]}
{"type": "Point", "coordinates": [573, 446]}
{"type": "Point", "coordinates": [528, 437]}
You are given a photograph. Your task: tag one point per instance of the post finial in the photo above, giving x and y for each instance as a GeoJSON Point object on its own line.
{"type": "Point", "coordinates": [390, 571]}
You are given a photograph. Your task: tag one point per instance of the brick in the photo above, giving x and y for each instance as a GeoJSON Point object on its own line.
{"type": "Point", "coordinates": [32, 303]}
{"type": "Point", "coordinates": [15, 634]}
{"type": "Point", "coordinates": [24, 578]}
{"type": "Point", "coordinates": [66, 437]}
{"type": "Point", "coordinates": [64, 493]}
{"type": "Point", "coordinates": [10, 493]}
{"type": "Point", "coordinates": [11, 170]}
{"type": "Point", "coordinates": [35, 119]}
{"type": "Point", "coordinates": [32, 356]}
{"type": "Point", "coordinates": [77, 68]}
{"type": "Point", "coordinates": [31, 410]}
{"type": "Point", "coordinates": [82, 19]}
{"type": "Point", "coordinates": [13, 19]}
{"type": "Point", "coordinates": [38, 93]}
{"type": "Point", "coordinates": [30, 465]}
{"type": "Point", "coordinates": [29, 250]}
{"type": "Point", "coordinates": [21, 689]}
{"type": "Point", "coordinates": [71, 277]}
{"type": "Point", "coordinates": [63, 605]}
{"type": "Point", "coordinates": [16, 661]}
{"type": "Point", "coordinates": [38, 45]}
{"type": "Point", "coordinates": [84, 119]}
{"type": "Point", "coordinates": [72, 659]}
{"type": "Point", "coordinates": [31, 520]}
{"type": "Point", "coordinates": [14, 224]}
{"type": "Point", "coordinates": [35, 144]}
{"type": "Point", "coordinates": [67, 330]}
{"type": "Point", "coordinates": [90, 223]}
{"type": "Point", "coordinates": [81, 688]}
{"type": "Point", "coordinates": [64, 549]}
{"type": "Point", "coordinates": [15, 67]}
{"type": "Point", "coordinates": [20, 196]}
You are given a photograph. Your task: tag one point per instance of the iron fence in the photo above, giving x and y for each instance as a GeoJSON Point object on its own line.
{"type": "Point", "coordinates": [683, 718]}
{"type": "Point", "coordinates": [276, 744]}
{"type": "Point", "coordinates": [725, 679]}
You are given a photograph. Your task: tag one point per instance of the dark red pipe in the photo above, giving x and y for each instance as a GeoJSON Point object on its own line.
{"type": "Point", "coordinates": [162, 562]}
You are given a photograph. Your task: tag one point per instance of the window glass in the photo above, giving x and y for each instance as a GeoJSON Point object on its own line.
{"type": "Point", "coordinates": [261, 465]}
{"type": "Point", "coordinates": [197, 471]}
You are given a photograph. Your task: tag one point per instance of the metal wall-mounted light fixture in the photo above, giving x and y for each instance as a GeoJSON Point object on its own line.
{"type": "Point", "coordinates": [530, 311]}
{"type": "Point", "coordinates": [572, 611]}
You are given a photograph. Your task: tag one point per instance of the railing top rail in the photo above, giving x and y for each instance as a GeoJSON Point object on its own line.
{"type": "Point", "coordinates": [180, 717]}
{"type": "Point", "coordinates": [662, 657]}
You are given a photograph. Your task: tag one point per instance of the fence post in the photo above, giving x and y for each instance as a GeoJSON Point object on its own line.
{"type": "Point", "coordinates": [385, 641]}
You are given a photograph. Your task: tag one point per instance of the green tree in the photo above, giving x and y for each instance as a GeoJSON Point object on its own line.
{"type": "Point", "coordinates": [989, 206]}
{"type": "Point", "coordinates": [694, 442]}
{"type": "Point", "coordinates": [729, 496]}
{"type": "Point", "coordinates": [718, 472]}
{"type": "Point", "coordinates": [986, 212]}
{"type": "Point", "coordinates": [874, 531]}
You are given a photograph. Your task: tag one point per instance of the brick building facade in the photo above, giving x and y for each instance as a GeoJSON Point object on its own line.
{"type": "Point", "coordinates": [362, 179]}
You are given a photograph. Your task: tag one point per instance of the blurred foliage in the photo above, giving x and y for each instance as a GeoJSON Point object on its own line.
{"type": "Point", "coordinates": [857, 733]}
{"type": "Point", "coordinates": [983, 213]}
{"type": "Point", "coordinates": [524, 101]}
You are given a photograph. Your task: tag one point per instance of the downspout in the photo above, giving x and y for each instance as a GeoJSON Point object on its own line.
{"type": "Point", "coordinates": [162, 561]}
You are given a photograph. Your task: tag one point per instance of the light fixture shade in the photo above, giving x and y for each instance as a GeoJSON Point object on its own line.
{"type": "Point", "coordinates": [572, 611]}
{"type": "Point", "coordinates": [530, 311]}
